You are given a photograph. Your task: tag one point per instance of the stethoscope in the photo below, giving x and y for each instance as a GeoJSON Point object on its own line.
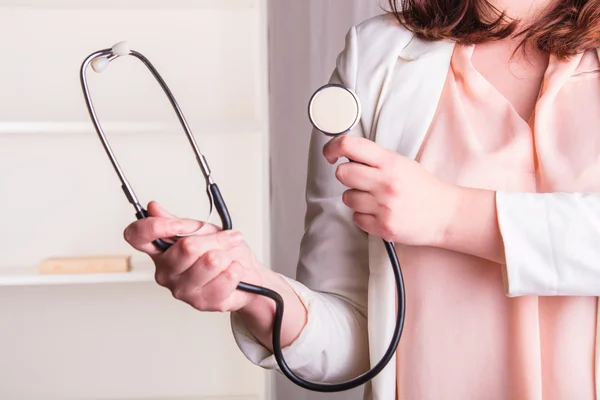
{"type": "Point", "coordinates": [333, 110]}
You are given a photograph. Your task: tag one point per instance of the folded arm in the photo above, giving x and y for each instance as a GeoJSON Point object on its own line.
{"type": "Point", "coordinates": [549, 242]}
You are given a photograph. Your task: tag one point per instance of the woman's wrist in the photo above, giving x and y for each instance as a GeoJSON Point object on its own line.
{"type": "Point", "coordinates": [470, 223]}
{"type": "Point", "coordinates": [450, 198]}
{"type": "Point", "coordinates": [260, 307]}
{"type": "Point", "coordinates": [258, 315]}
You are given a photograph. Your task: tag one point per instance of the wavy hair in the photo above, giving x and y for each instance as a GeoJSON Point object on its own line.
{"type": "Point", "coordinates": [565, 28]}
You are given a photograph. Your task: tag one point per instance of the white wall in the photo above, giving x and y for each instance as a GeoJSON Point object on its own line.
{"type": "Point", "coordinates": [60, 197]}
{"type": "Point", "coordinates": [305, 39]}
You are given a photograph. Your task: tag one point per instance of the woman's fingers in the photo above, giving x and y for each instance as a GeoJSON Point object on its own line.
{"type": "Point", "coordinates": [355, 148]}
{"type": "Point", "coordinates": [215, 294]}
{"type": "Point", "coordinates": [198, 269]}
{"type": "Point", "coordinates": [186, 252]}
{"type": "Point", "coordinates": [140, 234]}
{"type": "Point", "coordinates": [361, 202]}
{"type": "Point", "coordinates": [218, 291]}
{"type": "Point", "coordinates": [192, 279]}
{"type": "Point", "coordinates": [359, 176]}
{"type": "Point", "coordinates": [375, 226]}
{"type": "Point", "coordinates": [191, 225]}
{"type": "Point", "coordinates": [156, 210]}
{"type": "Point", "coordinates": [161, 224]}
{"type": "Point", "coordinates": [366, 222]}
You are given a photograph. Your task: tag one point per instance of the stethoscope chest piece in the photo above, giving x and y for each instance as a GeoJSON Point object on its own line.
{"type": "Point", "coordinates": [334, 109]}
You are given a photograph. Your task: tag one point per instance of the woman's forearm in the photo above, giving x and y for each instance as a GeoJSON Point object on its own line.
{"type": "Point", "coordinates": [258, 316]}
{"type": "Point", "coordinates": [472, 227]}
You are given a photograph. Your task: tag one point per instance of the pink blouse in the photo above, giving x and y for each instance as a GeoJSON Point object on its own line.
{"type": "Point", "coordinates": [464, 339]}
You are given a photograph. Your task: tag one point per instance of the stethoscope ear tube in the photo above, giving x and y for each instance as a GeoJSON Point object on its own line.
{"type": "Point", "coordinates": [220, 206]}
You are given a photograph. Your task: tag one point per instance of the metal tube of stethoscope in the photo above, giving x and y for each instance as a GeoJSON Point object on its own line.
{"type": "Point", "coordinates": [125, 185]}
{"type": "Point", "coordinates": [99, 62]}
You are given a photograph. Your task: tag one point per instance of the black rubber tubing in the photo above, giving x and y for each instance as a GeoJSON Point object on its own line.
{"type": "Point", "coordinates": [279, 309]}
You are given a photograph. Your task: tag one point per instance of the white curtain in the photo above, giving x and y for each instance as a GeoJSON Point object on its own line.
{"type": "Point", "coordinates": [305, 38]}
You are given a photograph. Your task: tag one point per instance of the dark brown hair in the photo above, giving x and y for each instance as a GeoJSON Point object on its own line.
{"type": "Point", "coordinates": [565, 28]}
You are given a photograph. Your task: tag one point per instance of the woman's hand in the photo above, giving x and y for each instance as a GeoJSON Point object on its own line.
{"type": "Point", "coordinates": [202, 270]}
{"type": "Point", "coordinates": [392, 196]}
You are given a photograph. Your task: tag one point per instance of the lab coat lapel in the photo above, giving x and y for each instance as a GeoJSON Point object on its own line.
{"type": "Point", "coordinates": [412, 96]}
{"type": "Point", "coordinates": [408, 103]}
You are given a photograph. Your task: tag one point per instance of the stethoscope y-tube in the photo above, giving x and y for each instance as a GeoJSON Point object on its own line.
{"type": "Point", "coordinates": [99, 61]}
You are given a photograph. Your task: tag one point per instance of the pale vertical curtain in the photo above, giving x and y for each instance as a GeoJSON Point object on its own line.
{"type": "Point", "coordinates": [305, 38]}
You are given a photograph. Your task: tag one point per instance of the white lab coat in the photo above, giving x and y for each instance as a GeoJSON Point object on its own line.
{"type": "Point", "coordinates": [344, 274]}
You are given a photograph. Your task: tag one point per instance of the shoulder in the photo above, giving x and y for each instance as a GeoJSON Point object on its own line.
{"type": "Point", "coordinates": [382, 34]}
{"type": "Point", "coordinates": [377, 43]}
{"type": "Point", "coordinates": [383, 28]}
{"type": "Point", "coordinates": [374, 42]}
{"type": "Point", "coordinates": [387, 64]}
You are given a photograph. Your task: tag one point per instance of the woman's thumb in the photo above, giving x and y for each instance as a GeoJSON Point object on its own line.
{"type": "Point", "coordinates": [187, 225]}
{"type": "Point", "coordinates": [156, 210]}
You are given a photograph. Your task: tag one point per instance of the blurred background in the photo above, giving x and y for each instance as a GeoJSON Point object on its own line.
{"type": "Point", "coordinates": [243, 72]}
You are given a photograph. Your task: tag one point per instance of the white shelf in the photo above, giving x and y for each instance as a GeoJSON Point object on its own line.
{"type": "Point", "coordinates": [124, 128]}
{"type": "Point", "coordinates": [30, 277]}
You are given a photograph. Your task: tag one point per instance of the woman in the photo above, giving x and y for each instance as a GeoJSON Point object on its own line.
{"type": "Point", "coordinates": [478, 143]}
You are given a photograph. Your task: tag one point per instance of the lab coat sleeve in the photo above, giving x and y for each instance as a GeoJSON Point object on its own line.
{"type": "Point", "coordinates": [332, 273]}
{"type": "Point", "coordinates": [552, 243]}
